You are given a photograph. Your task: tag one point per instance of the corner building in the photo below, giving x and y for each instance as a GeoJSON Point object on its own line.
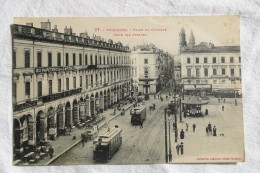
{"type": "Point", "coordinates": [209, 68]}
{"type": "Point", "coordinates": [59, 79]}
{"type": "Point", "coordinates": [150, 66]}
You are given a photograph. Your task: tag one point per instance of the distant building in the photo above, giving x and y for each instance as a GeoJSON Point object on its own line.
{"type": "Point", "coordinates": [208, 67]}
{"type": "Point", "coordinates": [150, 67]}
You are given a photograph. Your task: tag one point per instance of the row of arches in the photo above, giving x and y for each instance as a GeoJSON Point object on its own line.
{"type": "Point", "coordinates": [30, 129]}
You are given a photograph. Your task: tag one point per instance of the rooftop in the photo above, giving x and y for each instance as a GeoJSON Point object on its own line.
{"type": "Point", "coordinates": [209, 47]}
{"type": "Point", "coordinates": [45, 35]}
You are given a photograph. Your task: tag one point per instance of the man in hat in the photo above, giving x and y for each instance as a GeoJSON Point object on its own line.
{"type": "Point", "coordinates": [194, 127]}
{"type": "Point", "coordinates": [178, 148]}
{"type": "Point", "coordinates": [182, 148]}
{"type": "Point", "coordinates": [182, 134]}
{"type": "Point", "coordinates": [209, 128]}
{"type": "Point", "coordinates": [51, 151]}
{"type": "Point", "coordinates": [214, 131]}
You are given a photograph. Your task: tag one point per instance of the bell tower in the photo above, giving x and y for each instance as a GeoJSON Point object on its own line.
{"type": "Point", "coordinates": [182, 39]}
{"type": "Point", "coordinates": [191, 40]}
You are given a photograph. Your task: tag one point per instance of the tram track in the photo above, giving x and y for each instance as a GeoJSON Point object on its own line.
{"type": "Point", "coordinates": [141, 140]}
{"type": "Point", "coordinates": [133, 147]}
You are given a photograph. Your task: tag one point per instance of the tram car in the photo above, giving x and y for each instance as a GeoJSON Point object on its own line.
{"type": "Point", "coordinates": [138, 115]}
{"type": "Point", "coordinates": [106, 145]}
{"type": "Point", "coordinates": [226, 93]}
{"type": "Point", "coordinates": [173, 103]}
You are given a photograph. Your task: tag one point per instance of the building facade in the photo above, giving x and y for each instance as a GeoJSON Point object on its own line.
{"type": "Point", "coordinates": [208, 67]}
{"type": "Point", "coordinates": [60, 79]}
{"type": "Point", "coordinates": [149, 66]}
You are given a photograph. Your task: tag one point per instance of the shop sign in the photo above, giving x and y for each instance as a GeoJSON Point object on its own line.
{"type": "Point", "coordinates": [25, 105]}
{"type": "Point", "coordinates": [60, 95]}
{"type": "Point", "coordinates": [54, 69]}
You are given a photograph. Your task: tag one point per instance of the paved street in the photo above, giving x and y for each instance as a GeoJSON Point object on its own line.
{"type": "Point", "coordinates": [146, 145]}
{"type": "Point", "coordinates": [202, 148]}
{"type": "Point", "coordinates": [139, 145]}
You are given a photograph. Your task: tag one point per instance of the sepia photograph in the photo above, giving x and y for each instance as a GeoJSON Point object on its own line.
{"type": "Point", "coordinates": [127, 90]}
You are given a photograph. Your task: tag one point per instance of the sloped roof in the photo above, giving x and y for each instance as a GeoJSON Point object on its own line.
{"type": "Point", "coordinates": [206, 48]}
{"type": "Point", "coordinates": [192, 100]}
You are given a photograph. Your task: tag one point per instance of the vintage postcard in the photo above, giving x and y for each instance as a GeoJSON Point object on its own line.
{"type": "Point", "coordinates": [129, 90]}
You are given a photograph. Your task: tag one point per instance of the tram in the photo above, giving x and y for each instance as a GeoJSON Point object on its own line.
{"type": "Point", "coordinates": [226, 93]}
{"type": "Point", "coordinates": [106, 145]}
{"type": "Point", "coordinates": [173, 103]}
{"type": "Point", "coordinates": [138, 115]}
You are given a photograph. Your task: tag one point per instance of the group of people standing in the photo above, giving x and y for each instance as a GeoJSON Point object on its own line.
{"type": "Point", "coordinates": [193, 127]}
{"type": "Point", "coordinates": [210, 130]}
{"type": "Point", "coordinates": [180, 147]}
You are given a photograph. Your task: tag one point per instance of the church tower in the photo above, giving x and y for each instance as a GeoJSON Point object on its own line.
{"type": "Point", "coordinates": [191, 40]}
{"type": "Point", "coordinates": [182, 39]}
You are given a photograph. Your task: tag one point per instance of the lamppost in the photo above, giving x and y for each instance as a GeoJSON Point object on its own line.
{"type": "Point", "coordinates": [170, 151]}
{"type": "Point", "coordinates": [180, 110]}
{"type": "Point", "coordinates": [235, 98]}
{"type": "Point", "coordinates": [235, 95]}
{"type": "Point", "coordinates": [165, 133]}
{"type": "Point", "coordinates": [174, 109]}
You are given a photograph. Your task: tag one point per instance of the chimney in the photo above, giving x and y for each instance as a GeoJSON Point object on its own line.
{"type": "Point", "coordinates": [68, 31]}
{"type": "Point", "coordinates": [84, 34]}
{"type": "Point", "coordinates": [46, 25]}
{"type": "Point", "coordinates": [55, 29]}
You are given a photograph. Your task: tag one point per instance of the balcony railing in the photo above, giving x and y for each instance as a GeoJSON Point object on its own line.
{"type": "Point", "coordinates": [219, 76]}
{"type": "Point", "coordinates": [42, 34]}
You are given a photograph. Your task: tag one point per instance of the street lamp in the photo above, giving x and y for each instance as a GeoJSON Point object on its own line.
{"type": "Point", "coordinates": [180, 110]}
{"type": "Point", "coordinates": [235, 94]}
{"type": "Point", "coordinates": [174, 107]}
{"type": "Point", "coordinates": [170, 151]}
{"type": "Point", "coordinates": [176, 130]}
{"type": "Point", "coordinates": [165, 128]}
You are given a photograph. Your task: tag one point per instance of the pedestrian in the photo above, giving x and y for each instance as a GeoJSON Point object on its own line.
{"type": "Point", "coordinates": [182, 148]}
{"type": "Point", "coordinates": [182, 134]}
{"type": "Point", "coordinates": [224, 100]}
{"type": "Point", "coordinates": [209, 128]}
{"type": "Point", "coordinates": [214, 131]}
{"type": "Point", "coordinates": [178, 148]}
{"type": "Point", "coordinates": [115, 111]}
{"type": "Point", "coordinates": [158, 96]}
{"type": "Point", "coordinates": [194, 127]}
{"type": "Point", "coordinates": [218, 100]}
{"type": "Point", "coordinates": [206, 112]}
{"type": "Point", "coordinates": [222, 108]}
{"type": "Point", "coordinates": [141, 124]}
{"type": "Point", "coordinates": [207, 131]}
{"type": "Point", "coordinates": [51, 151]}
{"type": "Point", "coordinates": [74, 137]}
{"type": "Point", "coordinates": [166, 97]}
{"type": "Point", "coordinates": [83, 142]}
{"type": "Point", "coordinates": [187, 127]}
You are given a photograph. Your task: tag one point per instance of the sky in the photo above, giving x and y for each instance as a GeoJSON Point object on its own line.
{"type": "Point", "coordinates": [163, 32]}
